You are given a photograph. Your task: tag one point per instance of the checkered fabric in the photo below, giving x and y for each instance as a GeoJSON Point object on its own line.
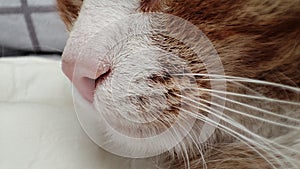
{"type": "Point", "coordinates": [30, 25]}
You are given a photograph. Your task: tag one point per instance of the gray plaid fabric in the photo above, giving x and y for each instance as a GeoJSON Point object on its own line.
{"type": "Point", "coordinates": [31, 25]}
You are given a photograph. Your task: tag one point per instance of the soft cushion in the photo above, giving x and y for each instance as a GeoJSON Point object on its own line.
{"type": "Point", "coordinates": [38, 124]}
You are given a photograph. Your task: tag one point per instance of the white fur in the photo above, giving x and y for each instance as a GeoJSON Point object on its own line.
{"type": "Point", "coordinates": [106, 32]}
{"type": "Point", "coordinates": [114, 32]}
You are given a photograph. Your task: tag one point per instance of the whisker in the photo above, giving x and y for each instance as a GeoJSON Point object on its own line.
{"type": "Point", "coordinates": [232, 132]}
{"type": "Point", "coordinates": [197, 147]}
{"type": "Point", "coordinates": [229, 122]}
{"type": "Point", "coordinates": [240, 79]}
{"type": "Point", "coordinates": [250, 96]}
{"type": "Point", "coordinates": [250, 116]}
{"type": "Point", "coordinates": [235, 135]}
{"type": "Point", "coordinates": [258, 109]}
{"type": "Point", "coordinates": [187, 157]}
{"type": "Point", "coordinates": [247, 88]}
{"type": "Point", "coordinates": [265, 145]}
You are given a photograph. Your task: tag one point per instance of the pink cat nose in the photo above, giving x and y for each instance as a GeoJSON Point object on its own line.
{"type": "Point", "coordinates": [85, 75]}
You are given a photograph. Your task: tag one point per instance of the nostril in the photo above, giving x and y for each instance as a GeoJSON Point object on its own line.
{"type": "Point", "coordinates": [87, 85]}
{"type": "Point", "coordinates": [85, 77]}
{"type": "Point", "coordinates": [102, 78]}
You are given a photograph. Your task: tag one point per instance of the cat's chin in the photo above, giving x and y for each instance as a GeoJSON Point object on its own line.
{"type": "Point", "coordinates": [106, 137]}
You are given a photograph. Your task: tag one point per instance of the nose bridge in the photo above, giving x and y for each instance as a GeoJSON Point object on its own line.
{"type": "Point", "coordinates": [84, 52]}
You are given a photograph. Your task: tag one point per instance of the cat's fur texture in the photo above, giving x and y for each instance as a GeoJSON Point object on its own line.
{"type": "Point", "coordinates": [255, 39]}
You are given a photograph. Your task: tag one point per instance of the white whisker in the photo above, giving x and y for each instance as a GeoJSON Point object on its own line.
{"type": "Point", "coordinates": [251, 96]}
{"type": "Point", "coordinates": [197, 146]}
{"type": "Point", "coordinates": [229, 122]}
{"type": "Point", "coordinates": [267, 147]}
{"type": "Point", "coordinates": [187, 157]}
{"type": "Point", "coordinates": [251, 116]}
{"type": "Point", "coordinates": [258, 109]}
{"type": "Point", "coordinates": [235, 135]}
{"type": "Point", "coordinates": [240, 79]}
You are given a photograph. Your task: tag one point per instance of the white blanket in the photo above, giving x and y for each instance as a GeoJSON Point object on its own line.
{"type": "Point", "coordinates": [38, 125]}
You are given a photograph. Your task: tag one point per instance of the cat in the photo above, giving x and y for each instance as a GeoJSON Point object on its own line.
{"type": "Point", "coordinates": [195, 83]}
